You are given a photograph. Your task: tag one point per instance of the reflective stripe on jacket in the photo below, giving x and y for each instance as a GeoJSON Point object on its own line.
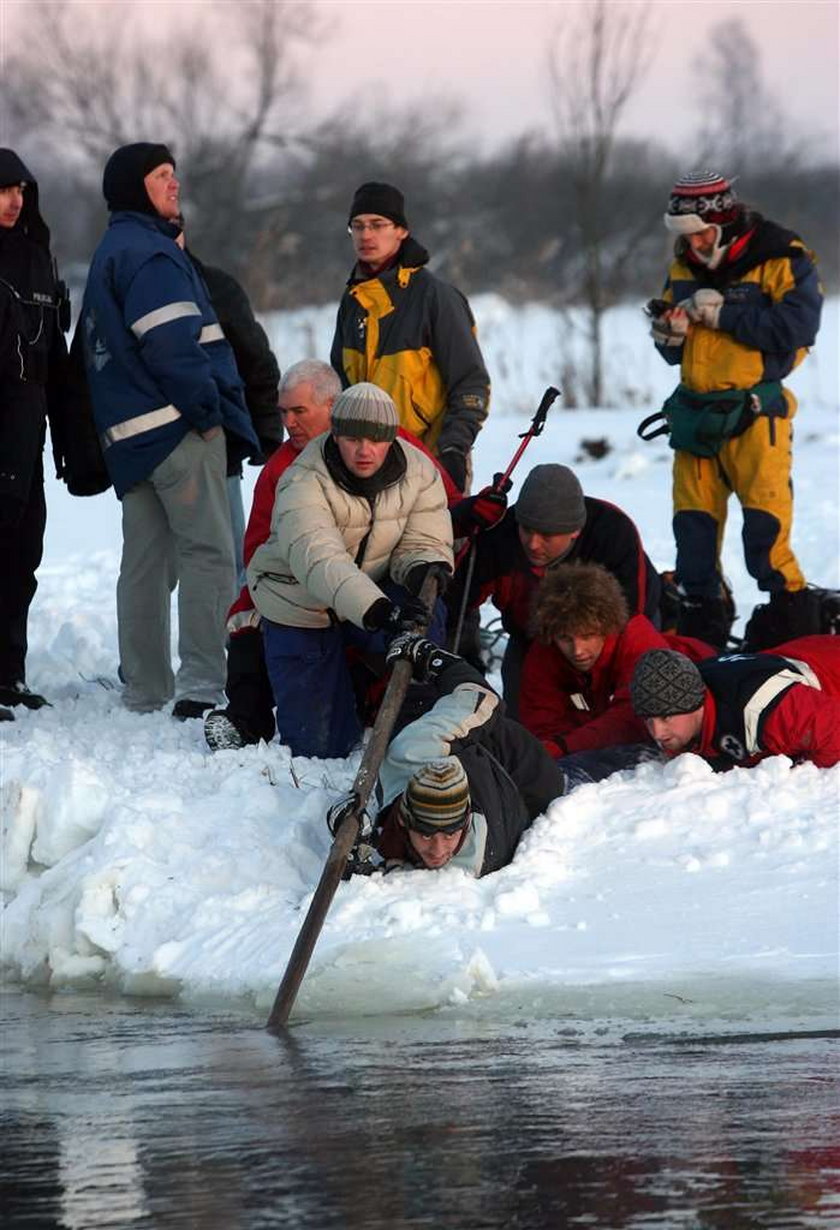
{"type": "Point", "coordinates": [156, 359]}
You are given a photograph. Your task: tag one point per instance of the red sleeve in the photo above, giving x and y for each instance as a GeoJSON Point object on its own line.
{"type": "Point", "coordinates": [259, 522]}
{"type": "Point", "coordinates": [805, 724]}
{"type": "Point", "coordinates": [822, 653]}
{"type": "Point", "coordinates": [453, 494]}
{"type": "Point", "coordinates": [258, 529]}
{"type": "Point", "coordinates": [615, 723]}
{"type": "Point", "coordinates": [693, 648]}
{"type": "Point", "coordinates": [545, 706]}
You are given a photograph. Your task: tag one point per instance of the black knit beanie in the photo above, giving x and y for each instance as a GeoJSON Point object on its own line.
{"type": "Point", "coordinates": [125, 170]}
{"type": "Point", "coordinates": [381, 199]}
{"type": "Point", "coordinates": [551, 501]}
{"type": "Point", "coordinates": [664, 683]}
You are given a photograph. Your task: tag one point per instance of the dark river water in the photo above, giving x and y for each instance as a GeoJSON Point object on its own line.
{"type": "Point", "coordinates": [122, 1113]}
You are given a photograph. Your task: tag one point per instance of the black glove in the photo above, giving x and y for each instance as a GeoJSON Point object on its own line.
{"type": "Point", "coordinates": [339, 811]}
{"type": "Point", "coordinates": [417, 575]}
{"type": "Point", "coordinates": [455, 464]}
{"type": "Point", "coordinates": [427, 659]}
{"type": "Point", "coordinates": [387, 616]}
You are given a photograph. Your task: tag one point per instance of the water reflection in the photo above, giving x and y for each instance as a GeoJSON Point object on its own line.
{"type": "Point", "coordinates": [123, 1114]}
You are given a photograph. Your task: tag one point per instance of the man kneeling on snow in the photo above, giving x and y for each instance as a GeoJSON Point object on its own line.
{"type": "Point", "coordinates": [462, 783]}
{"type": "Point", "coordinates": [739, 708]}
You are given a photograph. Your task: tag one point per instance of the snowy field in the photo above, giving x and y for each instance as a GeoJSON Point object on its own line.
{"type": "Point", "coordinates": [134, 859]}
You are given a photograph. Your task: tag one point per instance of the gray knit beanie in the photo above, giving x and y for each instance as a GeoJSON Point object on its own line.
{"type": "Point", "coordinates": [664, 683]}
{"type": "Point", "coordinates": [551, 501]}
{"type": "Point", "coordinates": [364, 411]}
{"type": "Point", "coordinates": [437, 798]}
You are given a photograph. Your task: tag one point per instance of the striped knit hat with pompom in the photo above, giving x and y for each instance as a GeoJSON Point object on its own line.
{"type": "Point", "coordinates": [700, 199]}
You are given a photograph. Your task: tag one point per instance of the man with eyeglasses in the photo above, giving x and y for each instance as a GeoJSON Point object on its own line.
{"type": "Point", "coordinates": [402, 328]}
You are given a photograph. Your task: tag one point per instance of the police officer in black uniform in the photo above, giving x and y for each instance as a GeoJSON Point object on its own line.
{"type": "Point", "coordinates": [34, 312]}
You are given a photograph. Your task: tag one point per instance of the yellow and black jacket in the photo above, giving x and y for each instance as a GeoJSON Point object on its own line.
{"type": "Point", "coordinates": [414, 336]}
{"type": "Point", "coordinates": [770, 314]}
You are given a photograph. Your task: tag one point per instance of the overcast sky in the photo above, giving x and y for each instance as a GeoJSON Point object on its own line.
{"type": "Point", "coordinates": [493, 55]}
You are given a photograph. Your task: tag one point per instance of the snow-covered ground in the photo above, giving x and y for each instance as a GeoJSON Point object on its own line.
{"type": "Point", "coordinates": [133, 858]}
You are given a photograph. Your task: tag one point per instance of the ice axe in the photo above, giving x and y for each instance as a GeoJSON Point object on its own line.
{"type": "Point", "coordinates": [499, 485]}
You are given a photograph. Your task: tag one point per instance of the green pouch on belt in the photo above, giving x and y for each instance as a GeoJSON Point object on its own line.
{"type": "Point", "coordinates": [699, 423]}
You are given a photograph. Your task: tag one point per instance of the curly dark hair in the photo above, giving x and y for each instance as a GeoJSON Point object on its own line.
{"type": "Point", "coordinates": [578, 599]}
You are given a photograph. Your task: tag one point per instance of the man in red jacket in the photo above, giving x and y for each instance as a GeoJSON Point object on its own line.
{"type": "Point", "coordinates": [575, 693]}
{"type": "Point", "coordinates": [552, 522]}
{"type": "Point", "coordinates": [739, 708]}
{"type": "Point", "coordinates": [305, 397]}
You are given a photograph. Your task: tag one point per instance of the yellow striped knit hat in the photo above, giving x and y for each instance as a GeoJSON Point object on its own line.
{"type": "Point", "coordinates": [437, 799]}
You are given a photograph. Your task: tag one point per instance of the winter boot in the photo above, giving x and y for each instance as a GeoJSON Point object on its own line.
{"type": "Point", "coordinates": [18, 693]}
{"type": "Point", "coordinates": [788, 615]}
{"type": "Point", "coordinates": [6, 715]}
{"type": "Point", "coordinates": [669, 603]}
{"type": "Point", "coordinates": [224, 732]}
{"type": "Point", "coordinates": [708, 619]}
{"type": "Point", "coordinates": [185, 709]}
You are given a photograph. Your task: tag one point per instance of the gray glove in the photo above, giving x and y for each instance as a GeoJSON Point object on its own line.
{"type": "Point", "coordinates": [703, 308]}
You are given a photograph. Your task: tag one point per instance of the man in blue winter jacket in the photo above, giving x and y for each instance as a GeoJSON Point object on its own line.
{"type": "Point", "coordinates": [165, 394]}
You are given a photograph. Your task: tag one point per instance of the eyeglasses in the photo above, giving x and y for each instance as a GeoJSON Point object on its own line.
{"type": "Point", "coordinates": [359, 228]}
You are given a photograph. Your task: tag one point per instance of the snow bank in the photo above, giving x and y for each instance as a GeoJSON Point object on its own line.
{"type": "Point", "coordinates": [132, 857]}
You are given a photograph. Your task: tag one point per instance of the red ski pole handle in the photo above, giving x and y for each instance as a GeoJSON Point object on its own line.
{"type": "Point", "coordinates": [537, 423]}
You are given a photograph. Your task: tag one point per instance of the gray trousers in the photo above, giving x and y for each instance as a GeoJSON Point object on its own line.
{"type": "Point", "coordinates": [176, 529]}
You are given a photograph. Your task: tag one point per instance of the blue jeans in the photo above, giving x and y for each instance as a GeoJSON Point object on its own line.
{"type": "Point", "coordinates": [312, 685]}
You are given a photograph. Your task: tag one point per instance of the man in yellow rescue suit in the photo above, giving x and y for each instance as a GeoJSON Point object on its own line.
{"type": "Point", "coordinates": [406, 331]}
{"type": "Point", "coordinates": [741, 306]}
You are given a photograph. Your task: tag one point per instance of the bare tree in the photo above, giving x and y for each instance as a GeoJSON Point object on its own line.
{"type": "Point", "coordinates": [302, 252]}
{"type": "Point", "coordinates": [218, 88]}
{"type": "Point", "coordinates": [595, 64]}
{"type": "Point", "coordinates": [743, 128]}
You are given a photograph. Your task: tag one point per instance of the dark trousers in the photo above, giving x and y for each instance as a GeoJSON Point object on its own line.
{"type": "Point", "coordinates": [317, 709]}
{"type": "Point", "coordinates": [512, 663]}
{"type": "Point", "coordinates": [248, 687]}
{"type": "Point", "coordinates": [601, 762]}
{"type": "Point", "coordinates": [22, 524]}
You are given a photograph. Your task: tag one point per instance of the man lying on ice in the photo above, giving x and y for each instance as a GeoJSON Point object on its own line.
{"type": "Point", "coordinates": [461, 784]}
{"type": "Point", "coordinates": [739, 708]}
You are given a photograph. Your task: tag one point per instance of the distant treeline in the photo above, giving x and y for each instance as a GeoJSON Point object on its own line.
{"type": "Point", "coordinates": [507, 223]}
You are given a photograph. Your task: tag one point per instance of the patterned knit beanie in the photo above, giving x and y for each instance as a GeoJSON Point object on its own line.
{"type": "Point", "coordinates": [700, 199]}
{"type": "Point", "coordinates": [364, 411]}
{"type": "Point", "coordinates": [551, 501]}
{"type": "Point", "coordinates": [437, 799]}
{"type": "Point", "coordinates": [665, 683]}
